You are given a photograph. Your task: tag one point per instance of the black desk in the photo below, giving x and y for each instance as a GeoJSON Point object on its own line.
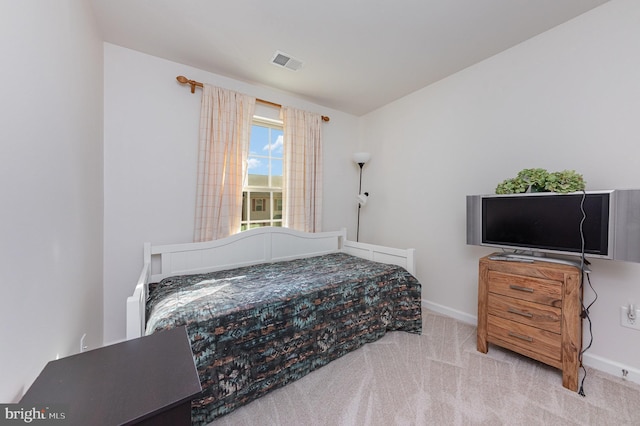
{"type": "Point", "coordinates": [145, 381]}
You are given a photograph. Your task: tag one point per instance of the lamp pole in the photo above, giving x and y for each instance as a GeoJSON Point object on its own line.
{"type": "Point", "coordinates": [359, 206]}
{"type": "Point", "coordinates": [360, 158]}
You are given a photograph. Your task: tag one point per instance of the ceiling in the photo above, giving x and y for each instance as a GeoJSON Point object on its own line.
{"type": "Point", "coordinates": [357, 55]}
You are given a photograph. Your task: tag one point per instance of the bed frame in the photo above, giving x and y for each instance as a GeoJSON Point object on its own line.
{"type": "Point", "coordinates": [258, 245]}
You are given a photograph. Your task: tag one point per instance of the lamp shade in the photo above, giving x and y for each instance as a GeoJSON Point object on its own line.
{"type": "Point", "coordinates": [361, 157]}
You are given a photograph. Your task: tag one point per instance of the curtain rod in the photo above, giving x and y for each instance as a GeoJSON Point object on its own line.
{"type": "Point", "coordinates": [184, 80]}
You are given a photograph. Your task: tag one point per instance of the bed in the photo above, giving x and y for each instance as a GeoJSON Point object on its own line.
{"type": "Point", "coordinates": [267, 306]}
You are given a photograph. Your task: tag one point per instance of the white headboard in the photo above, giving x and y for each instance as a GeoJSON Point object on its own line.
{"type": "Point", "coordinates": [258, 245]}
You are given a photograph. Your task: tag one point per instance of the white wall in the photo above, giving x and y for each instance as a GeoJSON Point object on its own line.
{"type": "Point", "coordinates": [567, 99]}
{"type": "Point", "coordinates": [151, 136]}
{"type": "Point", "coordinates": [51, 186]}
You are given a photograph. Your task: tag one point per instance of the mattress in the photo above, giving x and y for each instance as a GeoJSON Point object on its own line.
{"type": "Point", "coordinates": [254, 329]}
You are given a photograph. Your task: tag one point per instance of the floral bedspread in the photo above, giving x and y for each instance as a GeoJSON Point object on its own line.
{"type": "Point", "coordinates": [255, 329]}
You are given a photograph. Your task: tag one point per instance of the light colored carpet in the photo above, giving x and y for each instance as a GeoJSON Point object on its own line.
{"type": "Point", "coordinates": [440, 379]}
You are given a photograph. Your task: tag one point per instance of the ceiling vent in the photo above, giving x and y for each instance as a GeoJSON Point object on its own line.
{"type": "Point", "coordinates": [285, 60]}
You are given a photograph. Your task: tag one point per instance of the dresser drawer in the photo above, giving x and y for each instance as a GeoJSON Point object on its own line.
{"type": "Point", "coordinates": [524, 336]}
{"type": "Point", "coordinates": [538, 290]}
{"type": "Point", "coordinates": [533, 314]}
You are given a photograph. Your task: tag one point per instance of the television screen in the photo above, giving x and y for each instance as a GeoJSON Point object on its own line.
{"type": "Point", "coordinates": [548, 222]}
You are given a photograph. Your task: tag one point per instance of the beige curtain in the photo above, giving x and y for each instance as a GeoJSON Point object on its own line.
{"type": "Point", "coordinates": [225, 126]}
{"type": "Point", "coordinates": [302, 170]}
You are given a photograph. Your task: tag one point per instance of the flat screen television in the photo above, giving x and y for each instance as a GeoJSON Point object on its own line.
{"type": "Point", "coordinates": [600, 224]}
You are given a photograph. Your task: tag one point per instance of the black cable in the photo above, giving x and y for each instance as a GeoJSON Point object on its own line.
{"type": "Point", "coordinates": [585, 310]}
{"type": "Point", "coordinates": [585, 315]}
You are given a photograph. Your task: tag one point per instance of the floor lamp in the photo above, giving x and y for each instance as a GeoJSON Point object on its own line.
{"type": "Point", "coordinates": [360, 158]}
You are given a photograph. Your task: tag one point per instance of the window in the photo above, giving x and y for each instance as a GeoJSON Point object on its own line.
{"type": "Point", "coordinates": [262, 194]}
{"type": "Point", "coordinates": [257, 205]}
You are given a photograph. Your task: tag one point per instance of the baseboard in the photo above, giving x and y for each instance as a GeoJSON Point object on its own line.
{"type": "Point", "coordinates": [453, 313]}
{"type": "Point", "coordinates": [611, 367]}
{"type": "Point", "coordinates": [594, 361]}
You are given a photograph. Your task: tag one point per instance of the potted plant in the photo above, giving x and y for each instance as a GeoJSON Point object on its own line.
{"type": "Point", "coordinates": [540, 180]}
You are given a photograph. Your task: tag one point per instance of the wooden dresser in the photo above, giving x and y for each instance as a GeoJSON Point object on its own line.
{"type": "Point", "coordinates": [533, 309]}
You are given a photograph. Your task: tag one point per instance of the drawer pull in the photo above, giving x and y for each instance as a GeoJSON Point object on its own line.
{"type": "Point", "coordinates": [520, 336]}
{"type": "Point", "coordinates": [517, 312]}
{"type": "Point", "coordinates": [517, 287]}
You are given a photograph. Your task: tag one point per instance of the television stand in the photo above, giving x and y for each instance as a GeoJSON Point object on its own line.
{"type": "Point", "coordinates": [534, 309]}
{"type": "Point", "coordinates": [528, 258]}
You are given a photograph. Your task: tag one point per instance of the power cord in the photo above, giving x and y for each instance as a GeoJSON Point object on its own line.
{"type": "Point", "coordinates": [585, 315]}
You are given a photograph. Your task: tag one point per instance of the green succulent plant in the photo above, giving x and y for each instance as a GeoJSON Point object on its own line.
{"type": "Point", "coordinates": [536, 178]}
{"type": "Point", "coordinates": [512, 186]}
{"type": "Point", "coordinates": [565, 181]}
{"type": "Point", "coordinates": [540, 180]}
